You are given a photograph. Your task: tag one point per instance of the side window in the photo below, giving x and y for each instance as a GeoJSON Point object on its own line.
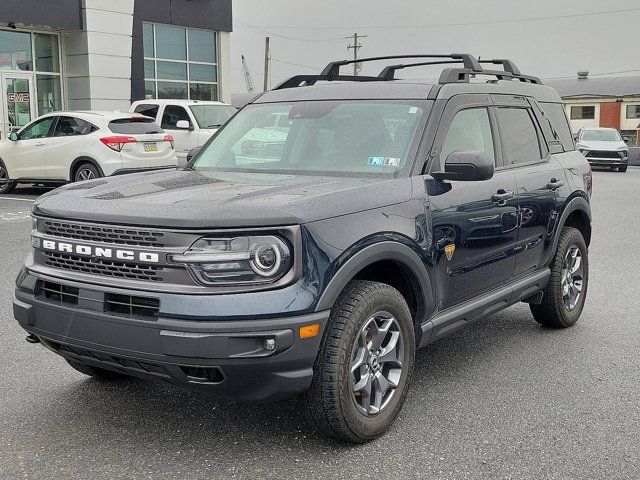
{"type": "Point", "coordinates": [172, 115]}
{"type": "Point", "coordinates": [469, 130]}
{"type": "Point", "coordinates": [520, 143]}
{"type": "Point", "coordinates": [556, 114]}
{"type": "Point", "coordinates": [68, 126]}
{"type": "Point", "coordinates": [38, 129]}
{"type": "Point", "coordinates": [148, 110]}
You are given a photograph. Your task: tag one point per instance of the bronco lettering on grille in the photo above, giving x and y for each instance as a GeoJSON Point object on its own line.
{"type": "Point", "coordinates": [101, 252]}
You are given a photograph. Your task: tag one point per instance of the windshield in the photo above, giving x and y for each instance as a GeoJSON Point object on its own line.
{"type": "Point", "coordinates": [601, 135]}
{"type": "Point", "coordinates": [212, 116]}
{"type": "Point", "coordinates": [362, 138]}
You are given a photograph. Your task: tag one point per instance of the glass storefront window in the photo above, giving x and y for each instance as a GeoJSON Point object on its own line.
{"type": "Point", "coordinates": [47, 54]}
{"type": "Point", "coordinates": [170, 42]}
{"type": "Point", "coordinates": [172, 70]}
{"type": "Point", "coordinates": [202, 46]}
{"type": "Point", "coordinates": [49, 93]}
{"type": "Point", "coordinates": [150, 90]}
{"type": "Point", "coordinates": [15, 51]}
{"type": "Point", "coordinates": [180, 62]}
{"type": "Point", "coordinates": [203, 91]}
{"type": "Point", "coordinates": [204, 73]}
{"type": "Point", "coordinates": [172, 90]}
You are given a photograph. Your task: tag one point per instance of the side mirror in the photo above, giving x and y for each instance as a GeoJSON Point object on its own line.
{"type": "Point", "coordinates": [183, 125]}
{"type": "Point", "coordinates": [466, 166]}
{"type": "Point", "coordinates": [575, 137]}
{"type": "Point", "coordinates": [625, 139]}
{"type": "Point", "coordinates": [13, 136]}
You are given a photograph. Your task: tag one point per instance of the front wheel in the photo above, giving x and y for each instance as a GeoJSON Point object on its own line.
{"type": "Point", "coordinates": [364, 366]}
{"type": "Point", "coordinates": [564, 296]}
{"type": "Point", "coordinates": [622, 168]}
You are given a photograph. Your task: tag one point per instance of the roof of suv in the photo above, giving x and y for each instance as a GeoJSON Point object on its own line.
{"type": "Point", "coordinates": [93, 115]}
{"type": "Point", "coordinates": [330, 84]}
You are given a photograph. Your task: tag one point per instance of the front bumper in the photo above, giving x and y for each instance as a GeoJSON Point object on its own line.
{"type": "Point", "coordinates": [225, 357]}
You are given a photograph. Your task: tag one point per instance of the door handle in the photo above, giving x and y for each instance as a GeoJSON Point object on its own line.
{"type": "Point", "coordinates": [501, 197]}
{"type": "Point", "coordinates": [555, 184]}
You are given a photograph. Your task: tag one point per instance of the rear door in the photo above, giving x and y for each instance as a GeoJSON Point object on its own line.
{"type": "Point", "coordinates": [24, 158]}
{"type": "Point", "coordinates": [540, 178]}
{"type": "Point", "coordinates": [67, 143]}
{"type": "Point", "coordinates": [474, 223]}
{"type": "Point", "coordinates": [185, 139]}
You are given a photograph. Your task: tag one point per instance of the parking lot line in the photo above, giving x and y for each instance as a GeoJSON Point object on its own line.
{"type": "Point", "coordinates": [18, 199]}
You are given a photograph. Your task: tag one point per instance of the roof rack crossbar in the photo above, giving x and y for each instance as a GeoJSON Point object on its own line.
{"type": "Point", "coordinates": [298, 80]}
{"type": "Point", "coordinates": [507, 64]}
{"type": "Point", "coordinates": [388, 73]}
{"type": "Point", "coordinates": [333, 68]}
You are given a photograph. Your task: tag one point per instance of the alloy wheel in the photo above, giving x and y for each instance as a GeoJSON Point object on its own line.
{"type": "Point", "coordinates": [572, 277]}
{"type": "Point", "coordinates": [377, 359]}
{"type": "Point", "coordinates": [85, 174]}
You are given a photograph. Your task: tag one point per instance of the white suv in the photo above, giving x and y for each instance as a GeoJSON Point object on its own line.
{"type": "Point", "coordinates": [71, 146]}
{"type": "Point", "coordinates": [191, 122]}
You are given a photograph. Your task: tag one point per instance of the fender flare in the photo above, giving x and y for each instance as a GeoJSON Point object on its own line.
{"type": "Point", "coordinates": [83, 159]}
{"type": "Point", "coordinates": [575, 204]}
{"type": "Point", "coordinates": [386, 250]}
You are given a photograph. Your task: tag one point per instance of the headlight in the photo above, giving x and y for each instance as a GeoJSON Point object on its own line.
{"type": "Point", "coordinates": [583, 151]}
{"type": "Point", "coordinates": [237, 260]}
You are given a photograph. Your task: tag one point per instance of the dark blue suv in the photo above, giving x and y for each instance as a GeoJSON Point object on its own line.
{"type": "Point", "coordinates": [328, 230]}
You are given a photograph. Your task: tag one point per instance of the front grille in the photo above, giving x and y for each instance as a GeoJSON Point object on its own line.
{"type": "Point", "coordinates": [133, 306]}
{"type": "Point", "coordinates": [604, 154]}
{"type": "Point", "coordinates": [108, 268]}
{"type": "Point", "coordinates": [104, 234]}
{"type": "Point", "coordinates": [60, 293]}
{"type": "Point", "coordinates": [113, 303]}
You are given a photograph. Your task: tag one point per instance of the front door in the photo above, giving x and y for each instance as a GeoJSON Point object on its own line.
{"type": "Point", "coordinates": [17, 102]}
{"type": "Point", "coordinates": [475, 224]}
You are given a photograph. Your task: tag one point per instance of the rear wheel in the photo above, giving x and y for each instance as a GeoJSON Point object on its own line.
{"type": "Point", "coordinates": [95, 372]}
{"type": "Point", "coordinates": [86, 171]}
{"type": "Point", "coordinates": [364, 366]}
{"type": "Point", "coordinates": [6, 185]}
{"type": "Point", "coordinates": [565, 293]}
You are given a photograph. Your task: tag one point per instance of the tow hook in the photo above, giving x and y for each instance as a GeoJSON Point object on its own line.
{"type": "Point", "coordinates": [31, 338]}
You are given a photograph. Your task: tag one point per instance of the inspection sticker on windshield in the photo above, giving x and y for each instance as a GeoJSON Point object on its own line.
{"type": "Point", "coordinates": [383, 162]}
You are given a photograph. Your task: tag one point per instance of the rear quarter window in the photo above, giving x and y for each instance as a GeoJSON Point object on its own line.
{"type": "Point", "coordinates": [134, 126]}
{"type": "Point", "coordinates": [558, 118]}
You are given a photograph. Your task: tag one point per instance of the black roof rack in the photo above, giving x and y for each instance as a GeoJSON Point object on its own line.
{"type": "Point", "coordinates": [470, 67]}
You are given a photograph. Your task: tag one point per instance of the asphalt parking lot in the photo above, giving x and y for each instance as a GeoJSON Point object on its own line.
{"type": "Point", "coordinates": [501, 399]}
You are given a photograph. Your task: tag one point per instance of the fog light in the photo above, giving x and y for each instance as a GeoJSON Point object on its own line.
{"type": "Point", "coordinates": [269, 344]}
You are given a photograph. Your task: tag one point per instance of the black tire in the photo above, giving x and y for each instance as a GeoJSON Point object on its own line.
{"type": "Point", "coordinates": [95, 372]}
{"type": "Point", "coordinates": [6, 185]}
{"type": "Point", "coordinates": [86, 171]}
{"type": "Point", "coordinates": [330, 404]}
{"type": "Point", "coordinates": [622, 168]}
{"type": "Point", "coordinates": [553, 311]}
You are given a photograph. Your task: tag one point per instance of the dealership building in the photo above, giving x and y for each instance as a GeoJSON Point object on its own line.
{"type": "Point", "coordinates": [600, 101]}
{"type": "Point", "coordinates": [104, 54]}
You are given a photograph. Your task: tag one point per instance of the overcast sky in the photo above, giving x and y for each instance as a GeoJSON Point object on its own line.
{"type": "Point", "coordinates": [546, 38]}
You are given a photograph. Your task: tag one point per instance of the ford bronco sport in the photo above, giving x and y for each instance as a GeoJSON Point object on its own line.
{"type": "Point", "coordinates": [314, 259]}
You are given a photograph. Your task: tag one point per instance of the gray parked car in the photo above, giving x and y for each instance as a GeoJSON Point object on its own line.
{"type": "Point", "coordinates": [603, 147]}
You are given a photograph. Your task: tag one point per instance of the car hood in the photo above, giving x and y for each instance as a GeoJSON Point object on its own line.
{"type": "Point", "coordinates": [205, 199]}
{"type": "Point", "coordinates": [600, 145]}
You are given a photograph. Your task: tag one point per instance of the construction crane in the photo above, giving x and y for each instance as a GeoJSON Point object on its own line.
{"type": "Point", "coordinates": [247, 75]}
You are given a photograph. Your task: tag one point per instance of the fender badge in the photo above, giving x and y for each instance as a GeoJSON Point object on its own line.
{"type": "Point", "coordinates": [449, 249]}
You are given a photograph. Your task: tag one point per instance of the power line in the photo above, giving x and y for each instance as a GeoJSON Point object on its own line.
{"type": "Point", "coordinates": [261, 31]}
{"type": "Point", "coordinates": [295, 64]}
{"type": "Point", "coordinates": [594, 74]}
{"type": "Point", "coordinates": [457, 24]}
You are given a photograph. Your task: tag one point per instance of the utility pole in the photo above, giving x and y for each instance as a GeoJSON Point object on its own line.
{"type": "Point", "coordinates": [266, 63]}
{"type": "Point", "coordinates": [355, 46]}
